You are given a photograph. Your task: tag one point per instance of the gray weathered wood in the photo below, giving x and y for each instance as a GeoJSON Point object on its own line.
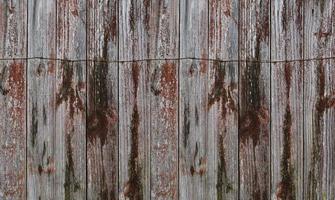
{"type": "Point", "coordinates": [70, 149]}
{"type": "Point", "coordinates": [102, 84]}
{"type": "Point", "coordinates": [134, 140]}
{"type": "Point", "coordinates": [223, 100]}
{"type": "Point", "coordinates": [287, 100]}
{"type": "Point", "coordinates": [319, 100]}
{"type": "Point", "coordinates": [41, 75]}
{"type": "Point", "coordinates": [193, 92]}
{"type": "Point", "coordinates": [70, 130]}
{"type": "Point", "coordinates": [163, 43]}
{"type": "Point", "coordinates": [13, 25]}
{"type": "Point", "coordinates": [164, 129]}
{"type": "Point", "coordinates": [254, 100]}
{"type": "Point", "coordinates": [12, 129]}
{"type": "Point", "coordinates": [222, 147]}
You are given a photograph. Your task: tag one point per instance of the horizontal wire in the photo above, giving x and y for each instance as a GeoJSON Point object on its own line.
{"type": "Point", "coordinates": [167, 59]}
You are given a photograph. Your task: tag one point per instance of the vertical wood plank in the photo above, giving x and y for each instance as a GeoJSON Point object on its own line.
{"type": "Point", "coordinates": [193, 116]}
{"type": "Point", "coordinates": [13, 29]}
{"type": "Point", "coordinates": [319, 100]}
{"type": "Point", "coordinates": [134, 153]}
{"type": "Point", "coordinates": [223, 131]}
{"type": "Point", "coordinates": [223, 100]}
{"type": "Point", "coordinates": [102, 84]}
{"type": "Point", "coordinates": [164, 44]}
{"type": "Point", "coordinates": [41, 140]}
{"type": "Point", "coordinates": [254, 100]}
{"type": "Point", "coordinates": [70, 149]}
{"type": "Point", "coordinates": [134, 141]}
{"type": "Point", "coordinates": [287, 100]}
{"type": "Point", "coordinates": [164, 129]}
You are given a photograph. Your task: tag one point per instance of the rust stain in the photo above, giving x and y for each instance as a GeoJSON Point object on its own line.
{"type": "Point", "coordinates": [223, 185]}
{"type": "Point", "coordinates": [256, 115]}
{"type": "Point", "coordinates": [71, 184]}
{"type": "Point", "coordinates": [220, 93]}
{"type": "Point", "coordinates": [286, 188]}
{"type": "Point", "coordinates": [169, 81]}
{"type": "Point", "coordinates": [67, 92]}
{"type": "Point", "coordinates": [17, 81]}
{"type": "Point", "coordinates": [134, 189]}
{"type": "Point", "coordinates": [104, 116]}
{"type": "Point", "coordinates": [134, 185]}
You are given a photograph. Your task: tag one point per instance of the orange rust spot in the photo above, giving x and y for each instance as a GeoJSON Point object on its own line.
{"type": "Point", "coordinates": [16, 81]}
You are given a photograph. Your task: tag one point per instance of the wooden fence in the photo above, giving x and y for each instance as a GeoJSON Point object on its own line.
{"type": "Point", "coordinates": [167, 99]}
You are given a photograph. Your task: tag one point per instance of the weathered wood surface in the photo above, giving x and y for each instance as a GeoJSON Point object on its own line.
{"type": "Point", "coordinates": [102, 100]}
{"type": "Point", "coordinates": [254, 100]}
{"type": "Point", "coordinates": [319, 177]}
{"type": "Point", "coordinates": [287, 100]}
{"type": "Point", "coordinates": [41, 90]}
{"type": "Point", "coordinates": [13, 29]}
{"type": "Point", "coordinates": [95, 104]}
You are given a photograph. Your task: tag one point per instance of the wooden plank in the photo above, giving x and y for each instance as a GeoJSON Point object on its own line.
{"type": "Point", "coordinates": [70, 130]}
{"type": "Point", "coordinates": [41, 77]}
{"type": "Point", "coordinates": [254, 100]}
{"type": "Point", "coordinates": [163, 44]}
{"type": "Point", "coordinates": [102, 84]}
{"type": "Point", "coordinates": [164, 129]}
{"type": "Point", "coordinates": [133, 27]}
{"type": "Point", "coordinates": [319, 100]}
{"type": "Point", "coordinates": [193, 139]}
{"type": "Point", "coordinates": [70, 124]}
{"type": "Point", "coordinates": [13, 28]}
{"type": "Point", "coordinates": [12, 129]}
{"type": "Point", "coordinates": [223, 100]}
{"type": "Point", "coordinates": [193, 112]}
{"type": "Point", "coordinates": [222, 141]}
{"type": "Point", "coordinates": [134, 122]}
{"type": "Point", "coordinates": [287, 97]}
{"type": "Point", "coordinates": [223, 29]}
{"type": "Point", "coordinates": [287, 131]}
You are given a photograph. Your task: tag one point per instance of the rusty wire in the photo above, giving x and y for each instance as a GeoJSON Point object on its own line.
{"type": "Point", "coordinates": [168, 59]}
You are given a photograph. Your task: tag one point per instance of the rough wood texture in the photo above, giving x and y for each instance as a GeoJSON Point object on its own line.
{"type": "Point", "coordinates": [254, 100]}
{"type": "Point", "coordinates": [222, 97]}
{"type": "Point", "coordinates": [13, 25]}
{"type": "Point", "coordinates": [319, 100]}
{"type": "Point", "coordinates": [41, 141]}
{"type": "Point", "coordinates": [193, 115]}
{"type": "Point", "coordinates": [134, 118]}
{"type": "Point", "coordinates": [70, 157]}
{"type": "Point", "coordinates": [287, 100]}
{"type": "Point", "coordinates": [164, 129]}
{"type": "Point", "coordinates": [102, 84]}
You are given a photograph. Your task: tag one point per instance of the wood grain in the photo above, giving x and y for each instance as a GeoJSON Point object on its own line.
{"type": "Point", "coordinates": [319, 100]}
{"type": "Point", "coordinates": [254, 100]}
{"type": "Point", "coordinates": [223, 100]}
{"type": "Point", "coordinates": [193, 78]}
{"type": "Point", "coordinates": [134, 142]}
{"type": "Point", "coordinates": [41, 114]}
{"type": "Point", "coordinates": [13, 29]}
{"type": "Point", "coordinates": [70, 100]}
{"type": "Point", "coordinates": [103, 115]}
{"type": "Point", "coordinates": [287, 100]}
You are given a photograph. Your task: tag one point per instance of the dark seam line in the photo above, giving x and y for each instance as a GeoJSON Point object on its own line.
{"type": "Point", "coordinates": [118, 100]}
{"type": "Point", "coordinates": [86, 96]}
{"type": "Point", "coordinates": [26, 109]}
{"type": "Point", "coordinates": [238, 98]}
{"type": "Point", "coordinates": [173, 59]}
{"type": "Point", "coordinates": [178, 99]}
{"type": "Point", "coordinates": [270, 131]}
{"type": "Point", "coordinates": [303, 100]}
